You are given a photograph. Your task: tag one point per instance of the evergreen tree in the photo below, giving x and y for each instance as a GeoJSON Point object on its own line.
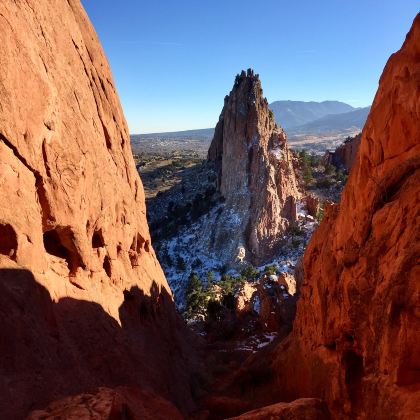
{"type": "Point", "coordinates": [195, 297]}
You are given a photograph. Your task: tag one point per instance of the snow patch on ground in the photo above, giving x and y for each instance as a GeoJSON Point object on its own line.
{"type": "Point", "coordinates": [256, 342]}
{"type": "Point", "coordinates": [257, 305]}
{"type": "Point", "coordinates": [188, 252]}
{"type": "Point", "coordinates": [278, 153]}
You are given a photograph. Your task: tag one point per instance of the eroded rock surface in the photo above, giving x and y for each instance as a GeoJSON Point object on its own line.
{"type": "Point", "coordinates": [302, 409]}
{"type": "Point", "coordinates": [355, 339]}
{"type": "Point", "coordinates": [255, 172]}
{"type": "Point", "coordinates": [84, 302]}
{"type": "Point", "coordinates": [111, 404]}
{"type": "Point", "coordinates": [344, 155]}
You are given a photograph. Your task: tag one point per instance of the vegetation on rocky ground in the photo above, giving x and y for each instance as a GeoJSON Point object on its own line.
{"type": "Point", "coordinates": [322, 179]}
{"type": "Point", "coordinates": [209, 300]}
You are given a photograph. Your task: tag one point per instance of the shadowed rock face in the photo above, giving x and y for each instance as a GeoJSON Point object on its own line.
{"type": "Point", "coordinates": [302, 409]}
{"type": "Point", "coordinates": [256, 175]}
{"type": "Point", "coordinates": [355, 339]}
{"type": "Point", "coordinates": [344, 155]}
{"type": "Point", "coordinates": [110, 404]}
{"type": "Point", "coordinates": [72, 214]}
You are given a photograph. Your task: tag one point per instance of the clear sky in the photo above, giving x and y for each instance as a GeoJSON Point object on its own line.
{"type": "Point", "coordinates": [173, 61]}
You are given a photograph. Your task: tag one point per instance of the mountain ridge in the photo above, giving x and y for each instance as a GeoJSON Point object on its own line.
{"type": "Point", "coordinates": [313, 120]}
{"type": "Point", "coordinates": [332, 122]}
{"type": "Point", "coordinates": [290, 114]}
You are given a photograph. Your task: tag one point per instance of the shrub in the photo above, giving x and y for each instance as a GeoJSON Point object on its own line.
{"type": "Point", "coordinates": [307, 175]}
{"type": "Point", "coordinates": [329, 170]}
{"type": "Point", "coordinates": [295, 242]}
{"type": "Point", "coordinates": [250, 273]}
{"type": "Point", "coordinates": [320, 214]}
{"type": "Point", "coordinates": [315, 160]}
{"type": "Point", "coordinates": [305, 163]}
{"type": "Point", "coordinates": [210, 278]}
{"type": "Point", "coordinates": [195, 297]}
{"type": "Point", "coordinates": [324, 182]}
{"type": "Point", "coordinates": [296, 231]}
{"type": "Point", "coordinates": [227, 283]}
{"type": "Point", "coordinates": [270, 269]}
{"type": "Point", "coordinates": [201, 299]}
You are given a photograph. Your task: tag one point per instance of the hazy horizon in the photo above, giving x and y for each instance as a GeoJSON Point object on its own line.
{"type": "Point", "coordinates": [212, 127]}
{"type": "Point", "coordinates": [173, 69]}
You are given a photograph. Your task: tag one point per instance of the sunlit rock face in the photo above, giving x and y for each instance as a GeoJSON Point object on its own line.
{"type": "Point", "coordinates": [355, 339]}
{"type": "Point", "coordinates": [255, 174]}
{"type": "Point", "coordinates": [84, 300]}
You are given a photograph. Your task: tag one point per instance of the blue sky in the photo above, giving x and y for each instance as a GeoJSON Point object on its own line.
{"type": "Point", "coordinates": [173, 61]}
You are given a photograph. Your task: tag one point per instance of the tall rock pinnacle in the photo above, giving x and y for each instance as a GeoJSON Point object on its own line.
{"type": "Point", "coordinates": [255, 173]}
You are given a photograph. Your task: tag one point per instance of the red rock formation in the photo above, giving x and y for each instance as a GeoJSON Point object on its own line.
{"type": "Point", "coordinates": [344, 155]}
{"type": "Point", "coordinates": [312, 204]}
{"type": "Point", "coordinates": [355, 341]}
{"type": "Point", "coordinates": [110, 404]}
{"type": "Point", "coordinates": [84, 302]}
{"type": "Point", "coordinates": [302, 409]}
{"type": "Point", "coordinates": [256, 175]}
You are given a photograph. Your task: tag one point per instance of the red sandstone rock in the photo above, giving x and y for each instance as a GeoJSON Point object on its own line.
{"type": "Point", "coordinates": [344, 155]}
{"type": "Point", "coordinates": [289, 281]}
{"type": "Point", "coordinates": [312, 204]}
{"type": "Point", "coordinates": [110, 404]}
{"type": "Point", "coordinates": [355, 341]}
{"type": "Point", "coordinates": [84, 302]}
{"type": "Point", "coordinates": [256, 175]}
{"type": "Point", "coordinates": [302, 409]}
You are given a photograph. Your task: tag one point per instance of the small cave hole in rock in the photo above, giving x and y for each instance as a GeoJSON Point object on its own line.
{"type": "Point", "coordinates": [8, 241]}
{"type": "Point", "coordinates": [133, 259]}
{"type": "Point", "coordinates": [139, 243]}
{"type": "Point", "coordinates": [107, 265]}
{"type": "Point", "coordinates": [107, 137]}
{"type": "Point", "coordinates": [54, 246]}
{"type": "Point", "coordinates": [98, 239]}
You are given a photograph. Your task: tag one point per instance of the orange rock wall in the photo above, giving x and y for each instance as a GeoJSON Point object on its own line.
{"type": "Point", "coordinates": [356, 342]}
{"type": "Point", "coordinates": [84, 300]}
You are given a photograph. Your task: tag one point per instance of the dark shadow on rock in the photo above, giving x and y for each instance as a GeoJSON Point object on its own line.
{"type": "Point", "coordinates": [49, 350]}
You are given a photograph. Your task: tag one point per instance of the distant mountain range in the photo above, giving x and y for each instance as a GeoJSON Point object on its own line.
{"type": "Point", "coordinates": [335, 122]}
{"type": "Point", "coordinates": [329, 121]}
{"type": "Point", "coordinates": [204, 133]}
{"type": "Point", "coordinates": [291, 114]}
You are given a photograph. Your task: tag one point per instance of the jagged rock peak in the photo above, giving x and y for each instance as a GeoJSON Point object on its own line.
{"type": "Point", "coordinates": [249, 75]}
{"type": "Point", "coordinates": [247, 87]}
{"type": "Point", "coordinates": [254, 166]}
